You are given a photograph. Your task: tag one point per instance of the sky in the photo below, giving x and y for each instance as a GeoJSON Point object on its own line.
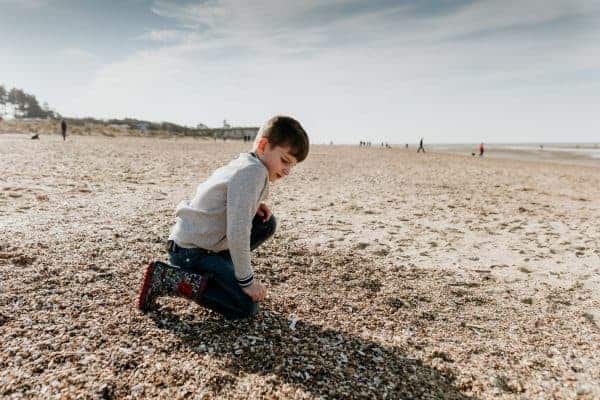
{"type": "Point", "coordinates": [379, 70]}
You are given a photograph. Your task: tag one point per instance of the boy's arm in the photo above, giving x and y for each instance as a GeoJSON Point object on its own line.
{"type": "Point", "coordinates": [243, 193]}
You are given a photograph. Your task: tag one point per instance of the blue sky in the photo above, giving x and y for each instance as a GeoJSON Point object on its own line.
{"type": "Point", "coordinates": [380, 70]}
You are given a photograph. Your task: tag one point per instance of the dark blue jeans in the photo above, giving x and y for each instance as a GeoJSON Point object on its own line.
{"type": "Point", "coordinates": [223, 294]}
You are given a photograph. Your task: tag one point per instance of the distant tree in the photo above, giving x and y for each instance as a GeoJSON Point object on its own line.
{"type": "Point", "coordinates": [25, 105]}
{"type": "Point", "coordinates": [32, 107]}
{"type": "Point", "coordinates": [15, 97]}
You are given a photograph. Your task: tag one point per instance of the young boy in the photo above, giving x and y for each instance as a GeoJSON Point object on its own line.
{"type": "Point", "coordinates": [209, 246]}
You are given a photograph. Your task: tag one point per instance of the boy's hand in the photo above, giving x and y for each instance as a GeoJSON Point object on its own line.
{"type": "Point", "coordinates": [257, 291]}
{"type": "Point", "coordinates": [264, 212]}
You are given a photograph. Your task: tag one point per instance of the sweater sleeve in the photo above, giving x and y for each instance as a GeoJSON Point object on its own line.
{"type": "Point", "coordinates": [243, 194]}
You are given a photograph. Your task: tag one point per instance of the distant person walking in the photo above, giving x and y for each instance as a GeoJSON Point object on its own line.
{"type": "Point", "coordinates": [63, 129]}
{"type": "Point", "coordinates": [421, 148]}
{"type": "Point", "coordinates": [481, 150]}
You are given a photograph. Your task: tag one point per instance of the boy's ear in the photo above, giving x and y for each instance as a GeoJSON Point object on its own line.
{"type": "Point", "coordinates": [262, 142]}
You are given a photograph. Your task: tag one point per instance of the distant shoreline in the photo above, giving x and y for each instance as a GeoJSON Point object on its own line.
{"type": "Point", "coordinates": [564, 153]}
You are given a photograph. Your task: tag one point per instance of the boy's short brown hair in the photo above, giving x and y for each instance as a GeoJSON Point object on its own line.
{"type": "Point", "coordinates": [286, 131]}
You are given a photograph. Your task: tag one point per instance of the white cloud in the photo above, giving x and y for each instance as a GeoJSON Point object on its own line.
{"type": "Point", "coordinates": [165, 35]}
{"type": "Point", "coordinates": [77, 55]}
{"type": "Point", "coordinates": [203, 14]}
{"type": "Point", "coordinates": [421, 47]}
{"type": "Point", "coordinates": [280, 24]}
{"type": "Point", "coordinates": [492, 15]}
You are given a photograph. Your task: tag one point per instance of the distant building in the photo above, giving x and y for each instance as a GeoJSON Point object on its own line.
{"type": "Point", "coordinates": [229, 132]}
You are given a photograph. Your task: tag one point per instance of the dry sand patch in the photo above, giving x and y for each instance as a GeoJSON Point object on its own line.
{"type": "Point", "coordinates": [392, 274]}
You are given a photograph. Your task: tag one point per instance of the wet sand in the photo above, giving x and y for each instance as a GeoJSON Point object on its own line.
{"type": "Point", "coordinates": [392, 274]}
{"type": "Point", "coordinates": [573, 154]}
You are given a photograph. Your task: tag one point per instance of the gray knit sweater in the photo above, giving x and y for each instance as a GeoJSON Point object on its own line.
{"type": "Point", "coordinates": [219, 217]}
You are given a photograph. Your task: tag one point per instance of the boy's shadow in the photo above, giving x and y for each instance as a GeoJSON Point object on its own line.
{"type": "Point", "coordinates": [320, 361]}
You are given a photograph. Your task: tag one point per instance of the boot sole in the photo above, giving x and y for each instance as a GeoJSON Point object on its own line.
{"type": "Point", "coordinates": [145, 289]}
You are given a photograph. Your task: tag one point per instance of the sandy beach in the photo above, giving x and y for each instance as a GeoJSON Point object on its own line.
{"type": "Point", "coordinates": [392, 275]}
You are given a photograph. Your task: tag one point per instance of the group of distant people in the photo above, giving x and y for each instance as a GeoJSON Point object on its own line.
{"type": "Point", "coordinates": [368, 144]}
{"type": "Point", "coordinates": [421, 147]}
{"type": "Point", "coordinates": [386, 145]}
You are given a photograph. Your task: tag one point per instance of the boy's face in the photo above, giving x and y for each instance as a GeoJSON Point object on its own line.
{"type": "Point", "coordinates": [278, 160]}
